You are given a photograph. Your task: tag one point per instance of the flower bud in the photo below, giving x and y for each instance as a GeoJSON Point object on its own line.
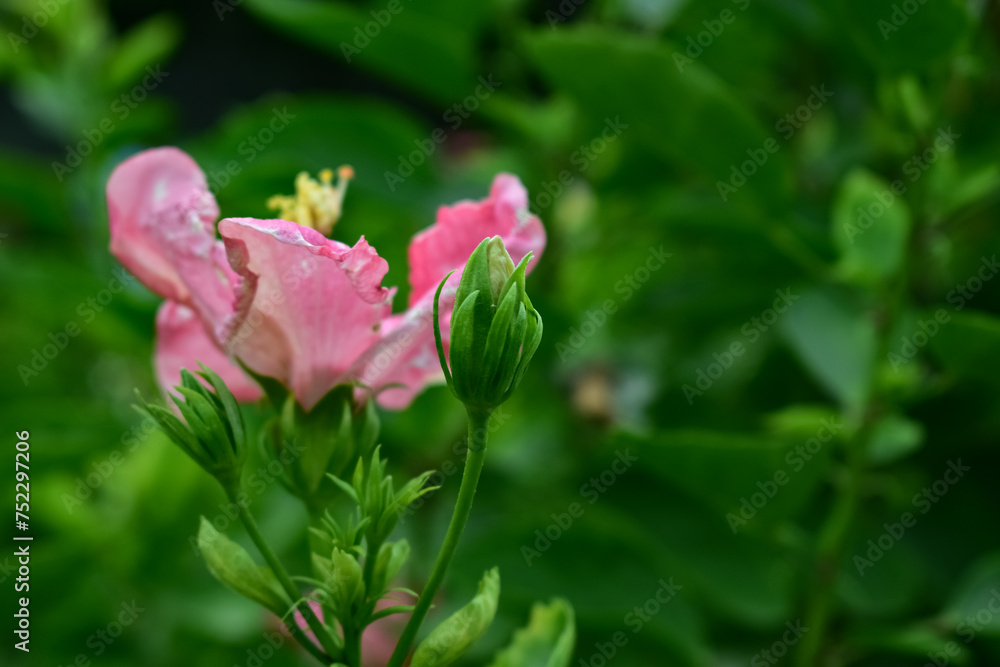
{"type": "Point", "coordinates": [494, 328]}
{"type": "Point", "coordinates": [212, 432]}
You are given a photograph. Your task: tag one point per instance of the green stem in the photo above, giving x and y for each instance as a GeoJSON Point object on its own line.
{"type": "Point", "coordinates": [832, 539]}
{"type": "Point", "coordinates": [371, 559]}
{"type": "Point", "coordinates": [352, 633]}
{"type": "Point", "coordinates": [291, 589]}
{"type": "Point", "coordinates": [352, 645]}
{"type": "Point", "coordinates": [305, 642]}
{"type": "Point", "coordinates": [836, 530]}
{"type": "Point", "coordinates": [463, 507]}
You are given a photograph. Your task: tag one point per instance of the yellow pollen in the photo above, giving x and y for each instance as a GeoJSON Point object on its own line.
{"type": "Point", "coordinates": [315, 204]}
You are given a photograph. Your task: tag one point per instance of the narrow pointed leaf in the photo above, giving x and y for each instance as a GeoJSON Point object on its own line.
{"type": "Point", "coordinates": [232, 565]}
{"type": "Point", "coordinates": [448, 641]}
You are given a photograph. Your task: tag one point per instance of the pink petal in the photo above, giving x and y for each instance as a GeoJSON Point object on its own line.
{"type": "Point", "coordinates": [181, 342]}
{"type": "Point", "coordinates": [405, 353]}
{"type": "Point", "coordinates": [307, 307]}
{"type": "Point", "coordinates": [446, 245]}
{"type": "Point", "coordinates": [162, 230]}
{"type": "Point", "coordinates": [300, 621]}
{"type": "Point", "coordinates": [380, 638]}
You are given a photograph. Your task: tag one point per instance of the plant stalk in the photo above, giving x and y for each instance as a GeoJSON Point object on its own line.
{"type": "Point", "coordinates": [470, 480]}
{"type": "Point", "coordinates": [290, 587]}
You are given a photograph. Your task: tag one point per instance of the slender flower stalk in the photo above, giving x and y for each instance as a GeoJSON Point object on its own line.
{"type": "Point", "coordinates": [291, 588]}
{"type": "Point", "coordinates": [475, 457]}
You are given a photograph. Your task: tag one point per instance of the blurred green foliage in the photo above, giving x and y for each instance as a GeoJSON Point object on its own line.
{"type": "Point", "coordinates": [640, 127]}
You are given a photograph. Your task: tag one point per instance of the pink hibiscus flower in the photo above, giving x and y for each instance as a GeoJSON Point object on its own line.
{"type": "Point", "coordinates": [281, 297]}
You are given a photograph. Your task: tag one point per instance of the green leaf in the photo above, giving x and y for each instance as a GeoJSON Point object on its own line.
{"type": "Point", "coordinates": [835, 340]}
{"type": "Point", "coordinates": [899, 40]}
{"type": "Point", "coordinates": [722, 469]}
{"type": "Point", "coordinates": [345, 581]}
{"type": "Point", "coordinates": [232, 565]}
{"type": "Point", "coordinates": [871, 227]}
{"type": "Point", "coordinates": [978, 590]}
{"type": "Point", "coordinates": [547, 641]}
{"type": "Point", "coordinates": [389, 562]}
{"type": "Point", "coordinates": [148, 44]}
{"type": "Point", "coordinates": [685, 114]}
{"type": "Point", "coordinates": [894, 437]}
{"type": "Point", "coordinates": [427, 55]}
{"type": "Point", "coordinates": [918, 641]}
{"type": "Point", "coordinates": [448, 641]}
{"type": "Point", "coordinates": [967, 345]}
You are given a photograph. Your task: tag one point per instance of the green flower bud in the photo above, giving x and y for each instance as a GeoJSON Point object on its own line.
{"type": "Point", "coordinates": [212, 432]}
{"type": "Point", "coordinates": [327, 440]}
{"type": "Point", "coordinates": [374, 492]}
{"type": "Point", "coordinates": [341, 581]}
{"type": "Point", "coordinates": [494, 328]}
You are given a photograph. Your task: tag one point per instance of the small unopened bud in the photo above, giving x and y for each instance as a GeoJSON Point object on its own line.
{"type": "Point", "coordinates": [212, 431]}
{"type": "Point", "coordinates": [494, 328]}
